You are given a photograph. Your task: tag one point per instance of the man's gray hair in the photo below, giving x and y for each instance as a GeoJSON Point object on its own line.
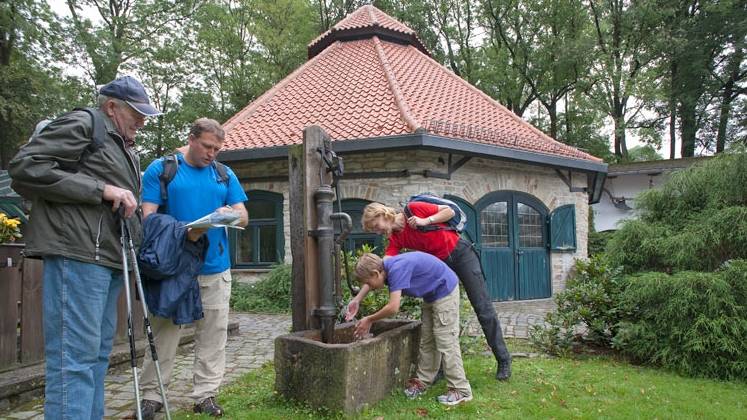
{"type": "Point", "coordinates": [103, 99]}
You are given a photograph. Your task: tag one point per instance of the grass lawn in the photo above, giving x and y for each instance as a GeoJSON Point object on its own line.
{"type": "Point", "coordinates": [595, 387]}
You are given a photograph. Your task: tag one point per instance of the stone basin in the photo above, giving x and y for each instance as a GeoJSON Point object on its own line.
{"type": "Point", "coordinates": [347, 375]}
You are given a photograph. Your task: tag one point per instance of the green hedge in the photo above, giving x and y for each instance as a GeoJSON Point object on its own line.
{"type": "Point", "coordinates": [271, 294]}
{"type": "Point", "coordinates": [697, 220]}
{"type": "Point", "coordinates": [690, 322]}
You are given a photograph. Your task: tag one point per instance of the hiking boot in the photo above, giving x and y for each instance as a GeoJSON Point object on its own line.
{"type": "Point", "coordinates": [208, 406]}
{"type": "Point", "coordinates": [148, 408]}
{"type": "Point", "coordinates": [414, 388]}
{"type": "Point", "coordinates": [504, 370]}
{"type": "Point", "coordinates": [453, 397]}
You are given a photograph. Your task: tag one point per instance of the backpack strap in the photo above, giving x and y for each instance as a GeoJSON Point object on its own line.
{"type": "Point", "coordinates": [222, 172]}
{"type": "Point", "coordinates": [98, 130]}
{"type": "Point", "coordinates": [406, 210]}
{"type": "Point", "coordinates": [170, 165]}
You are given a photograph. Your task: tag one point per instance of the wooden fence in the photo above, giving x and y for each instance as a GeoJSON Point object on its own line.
{"type": "Point", "coordinates": [21, 332]}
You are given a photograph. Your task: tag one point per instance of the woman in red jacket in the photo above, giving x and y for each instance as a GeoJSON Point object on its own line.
{"type": "Point", "coordinates": [456, 252]}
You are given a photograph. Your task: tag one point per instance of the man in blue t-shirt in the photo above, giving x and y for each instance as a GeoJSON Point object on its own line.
{"type": "Point", "coordinates": [422, 275]}
{"type": "Point", "coordinates": [195, 191]}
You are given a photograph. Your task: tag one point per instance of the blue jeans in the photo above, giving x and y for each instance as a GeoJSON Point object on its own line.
{"type": "Point", "coordinates": [80, 319]}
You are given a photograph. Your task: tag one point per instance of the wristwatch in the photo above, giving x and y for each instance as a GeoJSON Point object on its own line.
{"type": "Point", "coordinates": [430, 220]}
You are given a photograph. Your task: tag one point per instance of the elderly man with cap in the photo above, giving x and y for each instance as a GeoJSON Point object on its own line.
{"type": "Point", "coordinates": [78, 171]}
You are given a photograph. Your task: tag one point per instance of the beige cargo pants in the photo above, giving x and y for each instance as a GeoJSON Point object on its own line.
{"type": "Point", "coordinates": [210, 342]}
{"type": "Point", "coordinates": [439, 340]}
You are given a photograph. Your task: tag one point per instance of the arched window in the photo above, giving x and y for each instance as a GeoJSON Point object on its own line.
{"type": "Point", "coordinates": [262, 242]}
{"type": "Point", "coordinates": [356, 239]}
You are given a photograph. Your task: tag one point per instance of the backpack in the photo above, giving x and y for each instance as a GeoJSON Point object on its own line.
{"type": "Point", "coordinates": [170, 166]}
{"type": "Point", "coordinates": [456, 223]}
{"type": "Point", "coordinates": [98, 129]}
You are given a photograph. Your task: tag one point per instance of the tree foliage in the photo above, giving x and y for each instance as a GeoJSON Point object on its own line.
{"type": "Point", "coordinates": [589, 73]}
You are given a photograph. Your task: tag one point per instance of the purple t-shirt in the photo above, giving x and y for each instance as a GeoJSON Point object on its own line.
{"type": "Point", "coordinates": [420, 275]}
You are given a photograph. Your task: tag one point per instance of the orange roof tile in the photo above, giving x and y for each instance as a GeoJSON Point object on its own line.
{"type": "Point", "coordinates": [372, 87]}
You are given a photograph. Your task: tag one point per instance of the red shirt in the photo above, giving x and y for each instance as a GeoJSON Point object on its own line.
{"type": "Point", "coordinates": [438, 243]}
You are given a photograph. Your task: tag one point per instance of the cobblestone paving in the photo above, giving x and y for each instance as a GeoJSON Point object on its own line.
{"type": "Point", "coordinates": [516, 317]}
{"type": "Point", "coordinates": [254, 345]}
{"type": "Point", "coordinates": [249, 349]}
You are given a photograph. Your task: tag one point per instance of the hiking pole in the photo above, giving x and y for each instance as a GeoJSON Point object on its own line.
{"type": "Point", "coordinates": [130, 333]}
{"type": "Point", "coordinates": [146, 322]}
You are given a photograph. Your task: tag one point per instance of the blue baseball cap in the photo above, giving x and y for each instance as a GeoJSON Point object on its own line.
{"type": "Point", "coordinates": [130, 90]}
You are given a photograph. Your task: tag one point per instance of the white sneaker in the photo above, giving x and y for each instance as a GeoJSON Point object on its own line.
{"type": "Point", "coordinates": [415, 388]}
{"type": "Point", "coordinates": [453, 397]}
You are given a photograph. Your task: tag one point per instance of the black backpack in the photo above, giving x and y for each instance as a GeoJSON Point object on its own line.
{"type": "Point", "coordinates": [170, 166]}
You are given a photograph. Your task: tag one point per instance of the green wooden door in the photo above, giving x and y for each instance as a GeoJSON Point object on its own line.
{"type": "Point", "coordinates": [533, 268]}
{"type": "Point", "coordinates": [512, 241]}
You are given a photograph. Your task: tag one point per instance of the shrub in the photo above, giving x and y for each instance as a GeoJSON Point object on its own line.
{"type": "Point", "coordinates": [696, 220]}
{"type": "Point", "coordinates": [588, 303]}
{"type": "Point", "coordinates": [598, 242]}
{"type": "Point", "coordinates": [718, 235]}
{"type": "Point", "coordinates": [271, 294]}
{"type": "Point", "coordinates": [690, 322]}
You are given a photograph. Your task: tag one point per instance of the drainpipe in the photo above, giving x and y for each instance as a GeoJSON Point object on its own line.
{"type": "Point", "coordinates": [325, 244]}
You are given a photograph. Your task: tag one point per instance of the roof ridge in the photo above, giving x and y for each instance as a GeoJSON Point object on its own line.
{"type": "Point", "coordinates": [253, 105]}
{"type": "Point", "coordinates": [369, 9]}
{"type": "Point", "coordinates": [510, 113]}
{"type": "Point", "coordinates": [399, 99]}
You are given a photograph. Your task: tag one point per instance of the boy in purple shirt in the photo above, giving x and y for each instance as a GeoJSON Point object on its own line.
{"type": "Point", "coordinates": [422, 275]}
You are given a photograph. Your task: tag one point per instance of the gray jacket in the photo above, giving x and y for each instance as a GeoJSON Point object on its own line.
{"type": "Point", "coordinates": [64, 176]}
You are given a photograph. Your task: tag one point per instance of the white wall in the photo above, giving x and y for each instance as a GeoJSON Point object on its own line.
{"type": "Point", "coordinates": [606, 215]}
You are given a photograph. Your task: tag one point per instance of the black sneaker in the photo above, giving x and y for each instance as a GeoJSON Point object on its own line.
{"type": "Point", "coordinates": [149, 408]}
{"type": "Point", "coordinates": [208, 406]}
{"type": "Point", "coordinates": [504, 370]}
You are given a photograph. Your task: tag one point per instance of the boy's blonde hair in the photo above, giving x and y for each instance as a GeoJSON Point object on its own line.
{"type": "Point", "coordinates": [373, 211]}
{"type": "Point", "coordinates": [368, 265]}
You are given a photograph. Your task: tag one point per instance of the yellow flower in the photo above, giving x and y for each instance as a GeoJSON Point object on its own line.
{"type": "Point", "coordinates": [9, 231]}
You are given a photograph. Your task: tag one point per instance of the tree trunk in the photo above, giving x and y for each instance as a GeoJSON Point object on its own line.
{"type": "Point", "coordinates": [727, 97]}
{"type": "Point", "coordinates": [673, 133]}
{"type": "Point", "coordinates": [672, 114]}
{"type": "Point", "coordinates": [724, 116]}
{"type": "Point", "coordinates": [621, 149]}
{"type": "Point", "coordinates": [552, 110]}
{"type": "Point", "coordinates": [688, 128]}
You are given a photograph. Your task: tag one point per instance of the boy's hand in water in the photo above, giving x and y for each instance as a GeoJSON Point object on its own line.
{"type": "Point", "coordinates": [362, 328]}
{"type": "Point", "coordinates": [352, 309]}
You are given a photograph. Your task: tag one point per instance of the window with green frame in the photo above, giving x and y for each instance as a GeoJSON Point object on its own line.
{"type": "Point", "coordinates": [262, 242]}
{"type": "Point", "coordinates": [358, 237]}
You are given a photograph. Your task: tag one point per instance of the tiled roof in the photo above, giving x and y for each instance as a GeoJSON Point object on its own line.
{"type": "Point", "coordinates": [366, 20]}
{"type": "Point", "coordinates": [371, 87]}
{"type": "Point", "coordinates": [367, 16]}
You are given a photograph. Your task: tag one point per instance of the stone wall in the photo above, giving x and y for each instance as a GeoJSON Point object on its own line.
{"type": "Point", "coordinates": [471, 182]}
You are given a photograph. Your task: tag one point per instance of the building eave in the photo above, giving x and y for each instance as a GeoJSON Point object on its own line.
{"type": "Point", "coordinates": [596, 171]}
